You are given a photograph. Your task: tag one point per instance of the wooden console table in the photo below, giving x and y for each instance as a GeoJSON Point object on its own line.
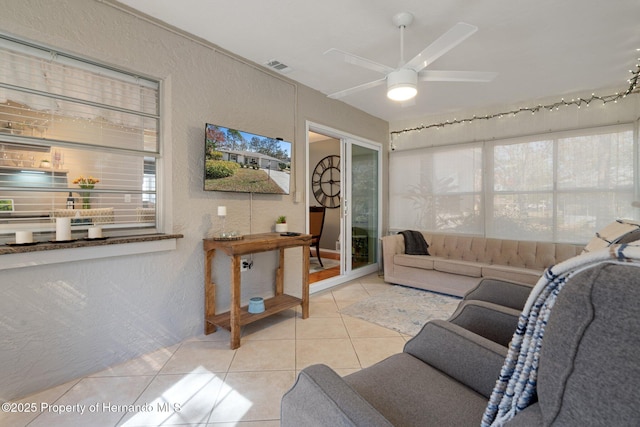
{"type": "Point", "coordinates": [238, 316]}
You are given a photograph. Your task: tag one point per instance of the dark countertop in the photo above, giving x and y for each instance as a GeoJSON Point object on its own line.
{"type": "Point", "coordinates": [83, 243]}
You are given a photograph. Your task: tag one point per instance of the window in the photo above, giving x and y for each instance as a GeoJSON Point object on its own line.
{"type": "Point", "coordinates": [561, 187]}
{"type": "Point", "coordinates": [522, 195]}
{"type": "Point", "coordinates": [77, 139]}
{"type": "Point", "coordinates": [437, 189]}
{"type": "Point", "coordinates": [149, 183]}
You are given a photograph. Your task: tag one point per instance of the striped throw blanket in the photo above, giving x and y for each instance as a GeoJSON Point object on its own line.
{"type": "Point", "coordinates": [516, 387]}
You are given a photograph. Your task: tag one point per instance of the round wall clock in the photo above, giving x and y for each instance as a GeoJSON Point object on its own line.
{"type": "Point", "coordinates": [325, 182]}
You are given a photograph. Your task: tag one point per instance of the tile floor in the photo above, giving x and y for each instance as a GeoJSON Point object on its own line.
{"type": "Point", "coordinates": [201, 382]}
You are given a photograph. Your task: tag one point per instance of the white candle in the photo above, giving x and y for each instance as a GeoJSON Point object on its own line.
{"type": "Point", "coordinates": [95, 232]}
{"type": "Point", "coordinates": [222, 211]}
{"type": "Point", "coordinates": [24, 237]}
{"type": "Point", "coordinates": [63, 228]}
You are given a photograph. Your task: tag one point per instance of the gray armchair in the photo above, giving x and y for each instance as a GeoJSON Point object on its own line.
{"type": "Point", "coordinates": [492, 309]}
{"type": "Point", "coordinates": [588, 367]}
{"type": "Point", "coordinates": [438, 380]}
{"type": "Point", "coordinates": [501, 292]}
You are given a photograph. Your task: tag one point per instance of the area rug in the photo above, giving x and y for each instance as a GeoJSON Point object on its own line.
{"type": "Point", "coordinates": [403, 309]}
{"type": "Point", "coordinates": [314, 265]}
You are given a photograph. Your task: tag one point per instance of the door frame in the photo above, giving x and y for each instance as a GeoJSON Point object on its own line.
{"type": "Point", "coordinates": [343, 137]}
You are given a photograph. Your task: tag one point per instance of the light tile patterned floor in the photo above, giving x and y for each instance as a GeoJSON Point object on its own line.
{"type": "Point", "coordinates": [214, 386]}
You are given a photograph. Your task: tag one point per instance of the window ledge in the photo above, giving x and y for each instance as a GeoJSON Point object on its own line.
{"type": "Point", "coordinates": [52, 252]}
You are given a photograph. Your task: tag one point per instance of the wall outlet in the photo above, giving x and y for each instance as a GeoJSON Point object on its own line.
{"type": "Point", "coordinates": [127, 198]}
{"type": "Point", "coordinates": [245, 264]}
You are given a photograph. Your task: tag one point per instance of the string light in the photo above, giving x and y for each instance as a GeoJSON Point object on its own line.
{"type": "Point", "coordinates": [633, 83]}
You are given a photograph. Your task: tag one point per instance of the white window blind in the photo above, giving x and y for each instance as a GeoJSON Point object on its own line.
{"type": "Point", "coordinates": [437, 189]}
{"type": "Point", "coordinates": [65, 121]}
{"type": "Point", "coordinates": [521, 200]}
{"type": "Point", "coordinates": [559, 187]}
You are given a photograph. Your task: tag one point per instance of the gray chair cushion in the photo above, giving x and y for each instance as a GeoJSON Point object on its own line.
{"type": "Point", "coordinates": [501, 292]}
{"type": "Point", "coordinates": [472, 360]}
{"type": "Point", "coordinates": [491, 321]}
{"type": "Point", "coordinates": [529, 417]}
{"type": "Point", "coordinates": [409, 393]}
{"type": "Point", "coordinates": [321, 398]}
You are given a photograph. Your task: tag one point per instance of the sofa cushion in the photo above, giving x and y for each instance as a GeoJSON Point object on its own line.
{"type": "Point", "coordinates": [512, 274]}
{"type": "Point", "coordinates": [450, 246]}
{"type": "Point", "coordinates": [465, 268]}
{"type": "Point", "coordinates": [432, 280]}
{"type": "Point", "coordinates": [513, 252]}
{"type": "Point", "coordinates": [564, 251]}
{"type": "Point", "coordinates": [408, 392]}
{"type": "Point", "coordinates": [417, 261]}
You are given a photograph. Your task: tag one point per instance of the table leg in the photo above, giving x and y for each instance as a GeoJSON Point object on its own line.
{"type": "Point", "coordinates": [305, 281]}
{"type": "Point", "coordinates": [209, 293]}
{"type": "Point", "coordinates": [280, 274]}
{"type": "Point", "coordinates": [235, 301]}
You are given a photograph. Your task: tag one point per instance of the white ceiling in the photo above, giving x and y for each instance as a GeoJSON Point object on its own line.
{"type": "Point", "coordinates": [540, 48]}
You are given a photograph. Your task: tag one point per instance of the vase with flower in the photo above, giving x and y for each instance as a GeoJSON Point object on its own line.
{"type": "Point", "coordinates": [87, 184]}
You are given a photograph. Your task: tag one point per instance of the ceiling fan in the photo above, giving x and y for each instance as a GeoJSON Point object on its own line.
{"type": "Point", "coordinates": [402, 82]}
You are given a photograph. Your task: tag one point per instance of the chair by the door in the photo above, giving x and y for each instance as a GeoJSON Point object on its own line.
{"type": "Point", "coordinates": [316, 224]}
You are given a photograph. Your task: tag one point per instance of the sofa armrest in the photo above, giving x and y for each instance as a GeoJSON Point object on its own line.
{"type": "Point", "coordinates": [391, 245]}
{"type": "Point", "coordinates": [320, 397]}
{"type": "Point", "coordinates": [467, 357]}
{"type": "Point", "coordinates": [492, 321]}
{"type": "Point", "coordinates": [501, 292]}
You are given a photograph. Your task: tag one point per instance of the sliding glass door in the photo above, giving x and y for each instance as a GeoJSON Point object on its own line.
{"type": "Point", "coordinates": [362, 204]}
{"type": "Point", "coordinates": [355, 221]}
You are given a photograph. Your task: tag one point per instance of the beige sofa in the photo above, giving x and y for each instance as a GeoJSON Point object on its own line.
{"type": "Point", "coordinates": [457, 263]}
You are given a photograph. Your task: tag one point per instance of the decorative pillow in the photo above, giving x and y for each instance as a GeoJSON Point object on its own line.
{"type": "Point", "coordinates": [619, 231]}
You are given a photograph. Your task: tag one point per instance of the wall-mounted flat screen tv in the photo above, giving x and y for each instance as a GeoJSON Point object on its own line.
{"type": "Point", "coordinates": [244, 162]}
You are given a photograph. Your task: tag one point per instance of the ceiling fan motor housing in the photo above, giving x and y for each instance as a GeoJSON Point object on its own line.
{"type": "Point", "coordinates": [402, 19]}
{"type": "Point", "coordinates": [402, 84]}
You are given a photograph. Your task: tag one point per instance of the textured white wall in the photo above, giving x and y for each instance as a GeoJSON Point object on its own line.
{"type": "Point", "coordinates": [61, 321]}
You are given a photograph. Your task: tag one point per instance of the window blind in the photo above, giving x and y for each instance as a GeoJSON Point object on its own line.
{"type": "Point", "coordinates": [563, 186]}
{"type": "Point", "coordinates": [77, 139]}
{"type": "Point", "coordinates": [559, 187]}
{"type": "Point", "coordinates": [437, 189]}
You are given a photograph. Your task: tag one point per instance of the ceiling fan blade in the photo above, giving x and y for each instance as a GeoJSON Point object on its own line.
{"type": "Point", "coordinates": [343, 93]}
{"type": "Point", "coordinates": [357, 60]}
{"type": "Point", "coordinates": [456, 76]}
{"type": "Point", "coordinates": [456, 35]}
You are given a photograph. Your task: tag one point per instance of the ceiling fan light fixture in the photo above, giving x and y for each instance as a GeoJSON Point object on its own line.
{"type": "Point", "coordinates": [402, 84]}
{"type": "Point", "coordinates": [402, 92]}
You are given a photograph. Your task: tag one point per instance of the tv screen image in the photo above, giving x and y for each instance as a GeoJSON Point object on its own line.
{"type": "Point", "coordinates": [245, 162]}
